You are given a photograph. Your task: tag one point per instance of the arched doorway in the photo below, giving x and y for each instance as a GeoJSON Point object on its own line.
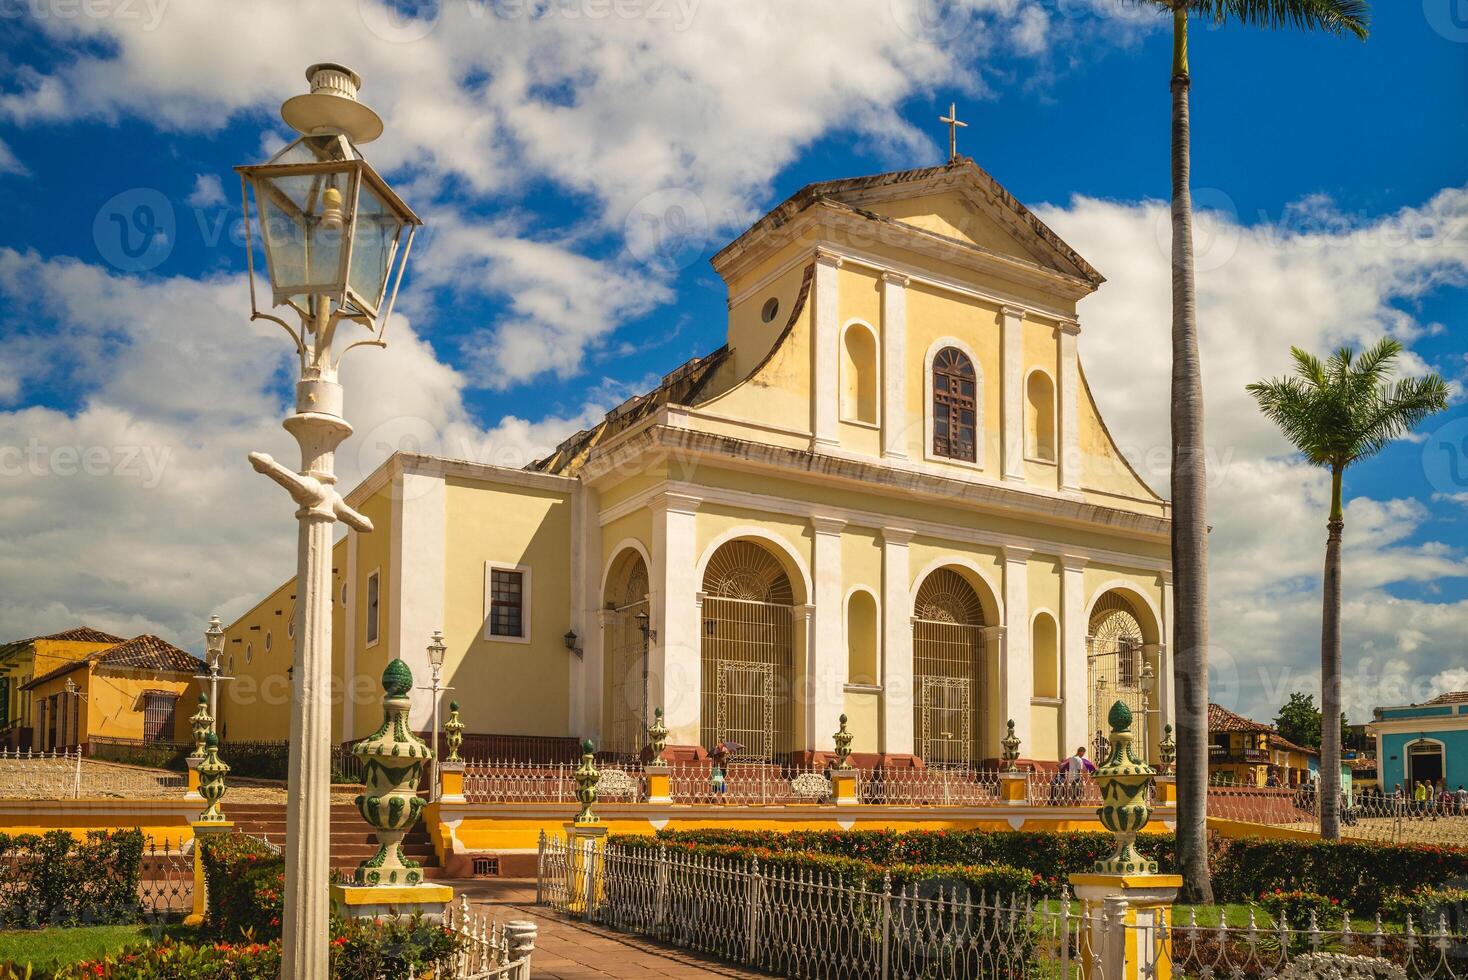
{"type": "Point", "coordinates": [748, 653]}
{"type": "Point", "coordinates": [1424, 763]}
{"type": "Point", "coordinates": [1118, 669]}
{"type": "Point", "coordinates": [948, 671]}
{"type": "Point", "coordinates": [625, 676]}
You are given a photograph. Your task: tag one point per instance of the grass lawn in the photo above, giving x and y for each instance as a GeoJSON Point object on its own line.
{"type": "Point", "coordinates": [46, 949]}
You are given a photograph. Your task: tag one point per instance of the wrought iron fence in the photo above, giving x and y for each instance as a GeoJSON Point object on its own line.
{"type": "Point", "coordinates": [488, 948]}
{"type": "Point", "coordinates": [66, 775]}
{"type": "Point", "coordinates": [929, 787]}
{"type": "Point", "coordinates": [166, 878]}
{"type": "Point", "coordinates": [803, 924]}
{"type": "Point", "coordinates": [1369, 817]}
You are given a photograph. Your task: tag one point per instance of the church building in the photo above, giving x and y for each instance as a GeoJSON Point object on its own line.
{"type": "Point", "coordinates": [888, 495]}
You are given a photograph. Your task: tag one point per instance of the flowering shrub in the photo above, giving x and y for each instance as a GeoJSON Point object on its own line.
{"type": "Point", "coordinates": [55, 880]}
{"type": "Point", "coordinates": [1429, 907]}
{"type": "Point", "coordinates": [359, 951]}
{"type": "Point", "coordinates": [1295, 909]}
{"type": "Point", "coordinates": [246, 882]}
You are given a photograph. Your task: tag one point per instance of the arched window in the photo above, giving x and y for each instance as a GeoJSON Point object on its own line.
{"type": "Point", "coordinates": [861, 638]}
{"type": "Point", "coordinates": [1040, 417]}
{"type": "Point", "coordinates": [954, 407]}
{"type": "Point", "coordinates": [859, 374]}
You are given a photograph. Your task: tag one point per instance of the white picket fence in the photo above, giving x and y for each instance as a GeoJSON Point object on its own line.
{"type": "Point", "coordinates": [491, 949]}
{"type": "Point", "coordinates": [66, 775]}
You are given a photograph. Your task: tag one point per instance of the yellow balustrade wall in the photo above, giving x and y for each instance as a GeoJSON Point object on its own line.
{"type": "Point", "coordinates": [163, 821]}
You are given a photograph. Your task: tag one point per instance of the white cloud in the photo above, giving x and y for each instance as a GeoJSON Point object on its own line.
{"type": "Point", "coordinates": [10, 163]}
{"type": "Point", "coordinates": [135, 510]}
{"type": "Point", "coordinates": [1316, 281]}
{"type": "Point", "coordinates": [208, 191]}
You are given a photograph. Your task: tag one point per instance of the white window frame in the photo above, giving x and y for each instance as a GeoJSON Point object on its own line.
{"type": "Point", "coordinates": [490, 567]}
{"type": "Point", "coordinates": [980, 433]}
{"type": "Point", "coordinates": [372, 628]}
{"type": "Point", "coordinates": [876, 370]}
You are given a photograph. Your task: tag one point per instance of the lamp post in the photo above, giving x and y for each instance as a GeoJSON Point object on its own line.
{"type": "Point", "coordinates": [213, 657]}
{"type": "Point", "coordinates": [436, 651]}
{"type": "Point", "coordinates": [336, 240]}
{"type": "Point", "coordinates": [649, 635]}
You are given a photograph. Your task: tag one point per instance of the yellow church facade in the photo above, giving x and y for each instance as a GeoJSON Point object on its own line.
{"type": "Point", "coordinates": [889, 495]}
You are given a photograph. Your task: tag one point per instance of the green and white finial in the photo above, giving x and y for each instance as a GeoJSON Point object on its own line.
{"type": "Point", "coordinates": [587, 776]}
{"type": "Point", "coordinates": [1010, 745]}
{"type": "Point", "coordinates": [657, 736]}
{"type": "Point", "coordinates": [201, 724]}
{"type": "Point", "coordinates": [1124, 808]}
{"type": "Point", "coordinates": [392, 760]}
{"type": "Point", "coordinates": [453, 733]}
{"type": "Point", "coordinates": [211, 780]}
{"type": "Point", "coordinates": [843, 740]}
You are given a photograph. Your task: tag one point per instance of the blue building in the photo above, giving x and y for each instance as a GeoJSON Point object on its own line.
{"type": "Point", "coordinates": [1420, 742]}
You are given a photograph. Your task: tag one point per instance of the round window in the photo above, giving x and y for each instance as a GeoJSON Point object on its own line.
{"type": "Point", "coordinates": [267, 642]}
{"type": "Point", "coordinates": [771, 309]}
{"type": "Point", "coordinates": [344, 593]}
{"type": "Point", "coordinates": [290, 627]}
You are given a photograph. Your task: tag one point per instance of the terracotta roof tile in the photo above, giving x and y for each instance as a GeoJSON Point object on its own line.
{"type": "Point", "coordinates": [145, 652]}
{"type": "Point", "coordinates": [1452, 697]}
{"type": "Point", "coordinates": [1220, 719]}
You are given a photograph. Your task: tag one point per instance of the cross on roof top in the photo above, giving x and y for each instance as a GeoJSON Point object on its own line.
{"type": "Point", "coordinates": [953, 126]}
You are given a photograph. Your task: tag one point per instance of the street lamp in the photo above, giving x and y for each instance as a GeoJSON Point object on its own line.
{"type": "Point", "coordinates": [214, 660]}
{"type": "Point", "coordinates": [336, 241]}
{"type": "Point", "coordinates": [436, 651]}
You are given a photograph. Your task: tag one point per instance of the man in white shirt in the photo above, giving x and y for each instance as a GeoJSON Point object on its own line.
{"type": "Point", "coordinates": [1074, 768]}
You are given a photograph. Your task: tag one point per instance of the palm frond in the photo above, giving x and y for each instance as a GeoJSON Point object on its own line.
{"type": "Point", "coordinates": [1345, 17]}
{"type": "Point", "coordinates": [1308, 366]}
{"type": "Point", "coordinates": [1398, 410]}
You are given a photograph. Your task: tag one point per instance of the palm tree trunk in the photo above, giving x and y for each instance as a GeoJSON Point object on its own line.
{"type": "Point", "coordinates": [1189, 503]}
{"type": "Point", "coordinates": [1330, 669]}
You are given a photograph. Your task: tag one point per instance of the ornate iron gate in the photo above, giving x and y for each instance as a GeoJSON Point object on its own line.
{"type": "Point", "coordinates": [1115, 670]}
{"type": "Point", "coordinates": [748, 653]}
{"type": "Point", "coordinates": [948, 676]}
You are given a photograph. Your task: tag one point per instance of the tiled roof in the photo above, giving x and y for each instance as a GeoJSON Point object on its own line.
{"type": "Point", "coordinates": [1452, 697]}
{"type": "Point", "coordinates": [77, 634]}
{"type": "Point", "coordinates": [1220, 719]}
{"type": "Point", "coordinates": [1278, 741]}
{"type": "Point", "coordinates": [145, 652]}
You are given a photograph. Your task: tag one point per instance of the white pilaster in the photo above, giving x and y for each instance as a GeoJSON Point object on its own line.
{"type": "Point", "coordinates": [1016, 667]}
{"type": "Point", "coordinates": [416, 585]}
{"type": "Point", "coordinates": [826, 346]}
{"type": "Point", "coordinates": [827, 673]}
{"type": "Point", "coordinates": [586, 670]}
{"type": "Point", "coordinates": [1012, 353]}
{"type": "Point", "coordinates": [673, 656]}
{"type": "Point", "coordinates": [1073, 628]}
{"type": "Point", "coordinates": [894, 365]}
{"type": "Point", "coordinates": [996, 645]}
{"type": "Point", "coordinates": [896, 643]}
{"type": "Point", "coordinates": [1070, 399]}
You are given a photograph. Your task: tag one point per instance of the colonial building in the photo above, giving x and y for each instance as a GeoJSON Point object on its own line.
{"type": "Point", "coordinates": [888, 495]}
{"type": "Point", "coordinates": [1425, 742]}
{"type": "Point", "coordinates": [22, 660]}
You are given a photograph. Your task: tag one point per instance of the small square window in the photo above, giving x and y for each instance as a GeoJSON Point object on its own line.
{"type": "Point", "coordinates": [506, 597]}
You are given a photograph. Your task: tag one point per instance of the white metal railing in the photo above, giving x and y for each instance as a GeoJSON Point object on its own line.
{"type": "Point", "coordinates": [929, 787]}
{"type": "Point", "coordinates": [65, 775]}
{"type": "Point", "coordinates": [1371, 817]}
{"type": "Point", "coordinates": [802, 923]}
{"type": "Point", "coordinates": [1285, 950]}
{"type": "Point", "coordinates": [488, 948]}
{"type": "Point", "coordinates": [1061, 789]}
{"type": "Point", "coordinates": [798, 923]}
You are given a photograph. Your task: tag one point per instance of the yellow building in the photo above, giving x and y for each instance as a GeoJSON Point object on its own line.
{"type": "Point", "coordinates": [22, 660]}
{"type": "Point", "coordinates": [1244, 752]}
{"type": "Point", "coordinates": [138, 691]}
{"type": "Point", "coordinates": [889, 494]}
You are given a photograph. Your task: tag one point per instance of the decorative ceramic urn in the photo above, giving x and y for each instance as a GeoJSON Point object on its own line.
{"type": "Point", "coordinates": [1124, 809]}
{"type": "Point", "coordinates": [211, 780]}
{"type": "Point", "coordinates": [392, 761]}
{"type": "Point", "coordinates": [1166, 752]}
{"type": "Point", "coordinates": [587, 776]}
{"type": "Point", "coordinates": [657, 736]}
{"type": "Point", "coordinates": [1010, 744]}
{"type": "Point", "coordinates": [843, 738]}
{"type": "Point", "coordinates": [201, 724]}
{"type": "Point", "coordinates": [453, 733]}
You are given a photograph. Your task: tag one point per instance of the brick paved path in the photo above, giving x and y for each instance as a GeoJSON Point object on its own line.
{"type": "Point", "coordinates": [570, 950]}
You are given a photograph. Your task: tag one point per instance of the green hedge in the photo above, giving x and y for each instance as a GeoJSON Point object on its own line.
{"type": "Point", "coordinates": [55, 880]}
{"type": "Point", "coordinates": [159, 755]}
{"type": "Point", "coordinates": [1361, 875]}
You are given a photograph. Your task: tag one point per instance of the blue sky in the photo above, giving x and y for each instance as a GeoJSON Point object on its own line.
{"type": "Point", "coordinates": [1333, 173]}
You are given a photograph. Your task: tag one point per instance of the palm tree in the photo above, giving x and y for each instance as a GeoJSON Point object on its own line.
{"type": "Point", "coordinates": [1189, 475]}
{"type": "Point", "coordinates": [1336, 414]}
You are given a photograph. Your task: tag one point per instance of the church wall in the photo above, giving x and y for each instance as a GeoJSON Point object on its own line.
{"type": "Point", "coordinates": [522, 527]}
{"type": "Point", "coordinates": [1041, 352]}
{"type": "Point", "coordinates": [1104, 469]}
{"type": "Point", "coordinates": [368, 660]}
{"type": "Point", "coordinates": [256, 704]}
{"type": "Point", "coordinates": [714, 521]}
{"type": "Point", "coordinates": [778, 277]}
{"type": "Point", "coordinates": [949, 215]}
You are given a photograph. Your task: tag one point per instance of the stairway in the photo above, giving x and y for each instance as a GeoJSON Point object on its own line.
{"type": "Point", "coordinates": [352, 839]}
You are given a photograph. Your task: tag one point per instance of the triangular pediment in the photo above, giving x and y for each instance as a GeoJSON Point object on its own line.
{"type": "Point", "coordinates": [957, 203]}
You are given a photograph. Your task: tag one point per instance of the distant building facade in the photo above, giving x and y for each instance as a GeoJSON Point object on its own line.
{"type": "Point", "coordinates": [1425, 742]}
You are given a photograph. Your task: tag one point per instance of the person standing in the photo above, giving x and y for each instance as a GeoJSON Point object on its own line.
{"type": "Point", "coordinates": [1074, 769]}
